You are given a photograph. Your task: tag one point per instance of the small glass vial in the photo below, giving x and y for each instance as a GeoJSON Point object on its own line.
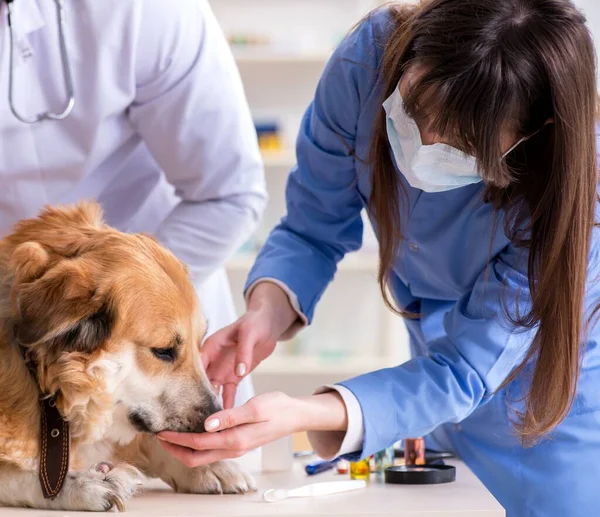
{"type": "Point", "coordinates": [414, 451]}
{"type": "Point", "coordinates": [343, 467]}
{"type": "Point", "coordinates": [383, 460]}
{"type": "Point", "coordinates": [360, 469]}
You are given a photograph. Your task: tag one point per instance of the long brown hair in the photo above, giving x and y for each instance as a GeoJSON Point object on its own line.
{"type": "Point", "coordinates": [491, 66]}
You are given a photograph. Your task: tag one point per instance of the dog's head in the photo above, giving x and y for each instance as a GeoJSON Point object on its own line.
{"type": "Point", "coordinates": [112, 322]}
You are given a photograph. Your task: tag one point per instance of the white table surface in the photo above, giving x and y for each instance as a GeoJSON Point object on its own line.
{"type": "Point", "coordinates": [466, 497]}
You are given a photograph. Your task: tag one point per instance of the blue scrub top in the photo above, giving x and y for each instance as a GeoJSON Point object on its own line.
{"type": "Point", "coordinates": [463, 346]}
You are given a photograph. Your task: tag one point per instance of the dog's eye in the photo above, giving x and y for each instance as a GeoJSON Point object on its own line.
{"type": "Point", "coordinates": [165, 354]}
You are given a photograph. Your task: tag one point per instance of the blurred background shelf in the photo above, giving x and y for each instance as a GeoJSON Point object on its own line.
{"type": "Point", "coordinates": [282, 159]}
{"type": "Point", "coordinates": [301, 376]}
{"type": "Point", "coordinates": [305, 366]}
{"type": "Point", "coordinates": [275, 56]}
{"type": "Point", "coordinates": [366, 262]}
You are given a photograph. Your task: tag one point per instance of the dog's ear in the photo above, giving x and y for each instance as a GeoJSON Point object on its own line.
{"type": "Point", "coordinates": [88, 334]}
{"type": "Point", "coordinates": [63, 309]}
{"type": "Point", "coordinates": [63, 231]}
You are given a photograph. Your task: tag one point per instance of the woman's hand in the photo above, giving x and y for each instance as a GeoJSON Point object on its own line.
{"type": "Point", "coordinates": [232, 353]}
{"type": "Point", "coordinates": [266, 418]}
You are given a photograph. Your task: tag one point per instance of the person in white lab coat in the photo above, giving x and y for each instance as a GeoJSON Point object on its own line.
{"type": "Point", "coordinates": [160, 133]}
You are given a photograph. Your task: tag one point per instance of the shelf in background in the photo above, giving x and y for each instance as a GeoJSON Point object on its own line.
{"type": "Point", "coordinates": [362, 261]}
{"type": "Point", "coordinates": [275, 56]}
{"type": "Point", "coordinates": [306, 366]}
{"type": "Point", "coordinates": [284, 159]}
{"type": "Point", "coordinates": [299, 376]}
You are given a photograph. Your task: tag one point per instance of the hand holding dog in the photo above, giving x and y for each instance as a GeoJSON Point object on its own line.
{"type": "Point", "coordinates": [234, 432]}
{"type": "Point", "coordinates": [232, 353]}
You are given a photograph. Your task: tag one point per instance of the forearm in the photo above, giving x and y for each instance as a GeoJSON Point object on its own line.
{"type": "Point", "coordinates": [323, 412]}
{"type": "Point", "coordinates": [324, 417]}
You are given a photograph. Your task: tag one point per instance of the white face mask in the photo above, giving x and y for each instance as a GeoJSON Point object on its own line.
{"type": "Point", "coordinates": [431, 168]}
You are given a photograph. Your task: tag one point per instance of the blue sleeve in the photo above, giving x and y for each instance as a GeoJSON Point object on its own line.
{"type": "Point", "coordinates": [323, 220]}
{"type": "Point", "coordinates": [462, 369]}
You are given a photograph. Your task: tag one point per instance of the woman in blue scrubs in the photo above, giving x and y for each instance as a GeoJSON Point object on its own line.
{"type": "Point", "coordinates": [467, 129]}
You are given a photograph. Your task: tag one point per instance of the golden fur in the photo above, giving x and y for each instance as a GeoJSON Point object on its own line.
{"type": "Point", "coordinates": [93, 307]}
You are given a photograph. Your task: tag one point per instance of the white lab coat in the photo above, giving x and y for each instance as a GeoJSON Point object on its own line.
{"type": "Point", "coordinates": [161, 134]}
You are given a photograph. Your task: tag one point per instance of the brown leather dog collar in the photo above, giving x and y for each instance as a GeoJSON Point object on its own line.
{"type": "Point", "coordinates": [55, 442]}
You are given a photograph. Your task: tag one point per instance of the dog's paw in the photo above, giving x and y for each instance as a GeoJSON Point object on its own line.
{"type": "Point", "coordinates": [230, 478]}
{"type": "Point", "coordinates": [218, 478]}
{"type": "Point", "coordinates": [100, 488]}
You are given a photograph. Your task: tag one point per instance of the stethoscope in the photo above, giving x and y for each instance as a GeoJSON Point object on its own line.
{"type": "Point", "coordinates": [60, 12]}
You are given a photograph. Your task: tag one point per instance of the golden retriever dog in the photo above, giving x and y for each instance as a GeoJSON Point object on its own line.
{"type": "Point", "coordinates": [111, 324]}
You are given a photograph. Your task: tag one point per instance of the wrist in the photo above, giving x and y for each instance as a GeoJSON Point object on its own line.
{"type": "Point", "coordinates": [270, 299]}
{"type": "Point", "coordinates": [324, 412]}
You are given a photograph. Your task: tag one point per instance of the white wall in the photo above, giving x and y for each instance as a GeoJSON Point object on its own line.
{"type": "Point", "coordinates": [591, 8]}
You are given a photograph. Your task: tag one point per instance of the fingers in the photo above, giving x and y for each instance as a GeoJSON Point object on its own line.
{"type": "Point", "coordinates": [229, 391]}
{"type": "Point", "coordinates": [235, 417]}
{"type": "Point", "coordinates": [220, 372]}
{"type": "Point", "coordinates": [219, 359]}
{"type": "Point", "coordinates": [247, 341]}
{"type": "Point", "coordinates": [233, 432]}
{"type": "Point", "coordinates": [234, 441]}
{"type": "Point", "coordinates": [230, 440]}
{"type": "Point", "coordinates": [220, 421]}
{"type": "Point", "coordinates": [192, 459]}
{"type": "Point", "coordinates": [237, 439]}
{"type": "Point", "coordinates": [214, 344]}
{"type": "Point", "coordinates": [230, 354]}
{"type": "Point", "coordinates": [227, 362]}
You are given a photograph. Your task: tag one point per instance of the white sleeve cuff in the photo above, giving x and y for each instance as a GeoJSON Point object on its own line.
{"type": "Point", "coordinates": [302, 320]}
{"type": "Point", "coordinates": [332, 444]}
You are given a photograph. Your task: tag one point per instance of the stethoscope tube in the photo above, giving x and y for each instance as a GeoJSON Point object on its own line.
{"type": "Point", "coordinates": [61, 18]}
